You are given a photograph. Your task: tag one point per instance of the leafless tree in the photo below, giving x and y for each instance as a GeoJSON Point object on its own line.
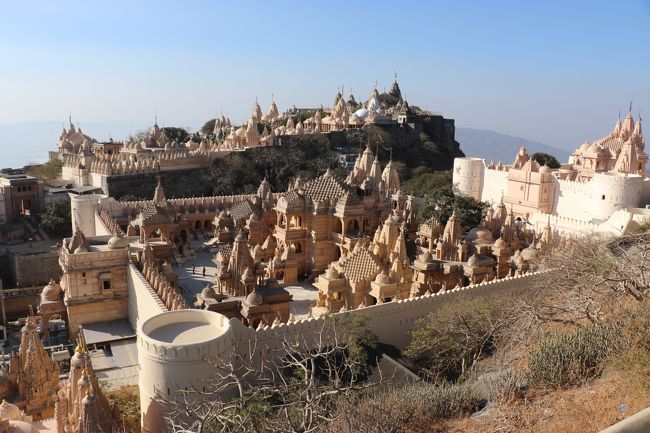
{"type": "Point", "coordinates": [590, 279]}
{"type": "Point", "coordinates": [294, 389]}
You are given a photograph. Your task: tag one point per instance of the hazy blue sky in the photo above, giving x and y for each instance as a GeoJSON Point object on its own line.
{"type": "Point", "coordinates": [551, 71]}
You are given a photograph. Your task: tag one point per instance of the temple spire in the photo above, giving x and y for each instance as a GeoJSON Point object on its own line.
{"type": "Point", "coordinates": [159, 194]}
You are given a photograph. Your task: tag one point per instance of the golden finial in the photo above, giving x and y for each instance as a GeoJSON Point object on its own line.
{"type": "Point", "coordinates": [78, 349]}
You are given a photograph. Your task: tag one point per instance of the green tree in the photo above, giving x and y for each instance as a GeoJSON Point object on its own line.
{"type": "Point", "coordinates": [132, 197]}
{"type": "Point", "coordinates": [55, 219]}
{"type": "Point", "coordinates": [208, 126]}
{"type": "Point", "coordinates": [50, 170]}
{"type": "Point", "coordinates": [425, 181]}
{"type": "Point", "coordinates": [179, 134]}
{"type": "Point", "coordinates": [441, 203]}
{"type": "Point", "coordinates": [545, 159]}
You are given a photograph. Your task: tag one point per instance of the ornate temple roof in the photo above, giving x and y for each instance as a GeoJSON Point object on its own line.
{"type": "Point", "coordinates": [241, 210]}
{"type": "Point", "coordinates": [325, 187]}
{"type": "Point", "coordinates": [360, 265]}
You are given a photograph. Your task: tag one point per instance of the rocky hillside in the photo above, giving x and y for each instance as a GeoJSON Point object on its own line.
{"type": "Point", "coordinates": [417, 153]}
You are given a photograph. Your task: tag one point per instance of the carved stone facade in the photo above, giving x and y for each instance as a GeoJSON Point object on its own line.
{"type": "Point", "coordinates": [32, 377]}
{"type": "Point", "coordinates": [81, 406]}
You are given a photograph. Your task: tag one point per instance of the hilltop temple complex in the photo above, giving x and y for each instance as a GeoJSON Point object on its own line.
{"type": "Point", "coordinates": [358, 239]}
{"type": "Point", "coordinates": [142, 279]}
{"type": "Point", "coordinates": [602, 188]}
{"type": "Point", "coordinates": [88, 162]}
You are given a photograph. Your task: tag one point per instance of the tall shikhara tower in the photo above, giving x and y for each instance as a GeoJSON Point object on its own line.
{"type": "Point", "coordinates": [81, 406]}
{"type": "Point", "coordinates": [36, 374]}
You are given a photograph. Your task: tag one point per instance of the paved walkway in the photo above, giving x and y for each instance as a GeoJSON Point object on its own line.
{"type": "Point", "coordinates": [193, 282]}
{"type": "Point", "coordinates": [304, 294]}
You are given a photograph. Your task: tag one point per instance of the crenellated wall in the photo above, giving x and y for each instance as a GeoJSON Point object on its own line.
{"type": "Point", "coordinates": [392, 321]}
{"type": "Point", "coordinates": [562, 225]}
{"type": "Point", "coordinates": [172, 352]}
{"type": "Point", "coordinates": [143, 301]}
{"type": "Point", "coordinates": [171, 365]}
{"type": "Point", "coordinates": [495, 185]}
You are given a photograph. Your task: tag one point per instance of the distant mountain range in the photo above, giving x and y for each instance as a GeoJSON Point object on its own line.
{"type": "Point", "coordinates": [494, 146]}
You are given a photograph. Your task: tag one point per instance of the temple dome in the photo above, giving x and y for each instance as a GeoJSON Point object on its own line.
{"type": "Point", "coordinates": [84, 380]}
{"type": "Point", "coordinates": [80, 249]}
{"type": "Point", "coordinates": [362, 113]}
{"type": "Point", "coordinates": [331, 273]}
{"type": "Point", "coordinates": [594, 149]}
{"type": "Point", "coordinates": [382, 278]}
{"type": "Point", "coordinates": [9, 411]}
{"type": "Point", "coordinates": [118, 242]}
{"type": "Point", "coordinates": [208, 292]}
{"type": "Point", "coordinates": [530, 253]}
{"type": "Point", "coordinates": [51, 292]}
{"type": "Point", "coordinates": [254, 298]}
{"type": "Point", "coordinates": [479, 235]}
{"type": "Point", "coordinates": [473, 261]}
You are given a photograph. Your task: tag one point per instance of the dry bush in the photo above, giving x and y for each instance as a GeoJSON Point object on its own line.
{"type": "Point", "coordinates": [589, 279]}
{"type": "Point", "coordinates": [448, 343]}
{"type": "Point", "coordinates": [293, 390]}
{"type": "Point", "coordinates": [570, 358]}
{"type": "Point", "coordinates": [391, 411]}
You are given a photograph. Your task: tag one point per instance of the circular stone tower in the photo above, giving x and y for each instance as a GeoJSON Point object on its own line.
{"type": "Point", "coordinates": [82, 212]}
{"type": "Point", "coordinates": [613, 191]}
{"type": "Point", "coordinates": [173, 348]}
{"type": "Point", "coordinates": [468, 176]}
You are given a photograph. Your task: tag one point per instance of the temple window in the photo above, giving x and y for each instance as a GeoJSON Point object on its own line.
{"type": "Point", "coordinates": [603, 197]}
{"type": "Point", "coordinates": [106, 285]}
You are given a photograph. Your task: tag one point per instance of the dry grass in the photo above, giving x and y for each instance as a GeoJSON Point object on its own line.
{"type": "Point", "coordinates": [589, 408]}
{"type": "Point", "coordinates": [128, 401]}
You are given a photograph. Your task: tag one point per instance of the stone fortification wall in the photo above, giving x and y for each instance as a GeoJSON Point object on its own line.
{"type": "Point", "coordinates": [36, 269]}
{"type": "Point", "coordinates": [83, 211]}
{"type": "Point", "coordinates": [611, 192]}
{"type": "Point", "coordinates": [392, 321]}
{"type": "Point", "coordinates": [571, 199]}
{"type": "Point", "coordinates": [100, 227]}
{"type": "Point", "coordinates": [495, 185]}
{"type": "Point", "coordinates": [179, 183]}
{"type": "Point", "coordinates": [468, 176]}
{"type": "Point", "coordinates": [192, 205]}
{"type": "Point", "coordinates": [168, 367]}
{"type": "Point", "coordinates": [170, 362]}
{"type": "Point", "coordinates": [645, 192]}
{"type": "Point", "coordinates": [143, 300]}
{"type": "Point", "coordinates": [562, 224]}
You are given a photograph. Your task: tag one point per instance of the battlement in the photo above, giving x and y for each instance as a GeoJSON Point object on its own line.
{"type": "Point", "coordinates": [184, 335]}
{"type": "Point", "coordinates": [574, 186]}
{"type": "Point", "coordinates": [390, 321]}
{"type": "Point", "coordinates": [143, 300]}
{"type": "Point", "coordinates": [562, 225]}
